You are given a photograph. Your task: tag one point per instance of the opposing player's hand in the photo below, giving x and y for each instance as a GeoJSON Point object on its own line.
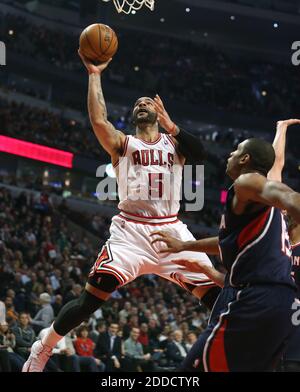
{"type": "Point", "coordinates": [192, 265]}
{"type": "Point", "coordinates": [91, 67]}
{"type": "Point", "coordinates": [287, 123]}
{"type": "Point", "coordinates": [163, 116]}
{"type": "Point", "coordinates": [173, 244]}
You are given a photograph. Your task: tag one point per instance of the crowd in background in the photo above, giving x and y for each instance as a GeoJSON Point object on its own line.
{"type": "Point", "coordinates": [155, 61]}
{"type": "Point", "coordinates": [148, 325]}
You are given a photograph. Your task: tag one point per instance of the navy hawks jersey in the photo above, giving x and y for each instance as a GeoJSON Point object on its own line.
{"type": "Point", "coordinates": [296, 265]}
{"type": "Point", "coordinates": [255, 247]}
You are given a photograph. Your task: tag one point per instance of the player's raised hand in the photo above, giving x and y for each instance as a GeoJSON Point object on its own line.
{"type": "Point", "coordinates": [91, 67]}
{"type": "Point", "coordinates": [163, 116]}
{"type": "Point", "coordinates": [192, 265]}
{"type": "Point", "coordinates": [173, 244]}
{"type": "Point", "coordinates": [287, 123]}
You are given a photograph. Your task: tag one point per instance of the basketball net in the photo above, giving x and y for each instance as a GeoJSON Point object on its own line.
{"type": "Point", "coordinates": [127, 6]}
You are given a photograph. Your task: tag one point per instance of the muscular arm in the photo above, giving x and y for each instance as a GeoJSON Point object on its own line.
{"type": "Point", "coordinates": [209, 246]}
{"type": "Point", "coordinates": [253, 187]}
{"type": "Point", "coordinates": [174, 245]}
{"type": "Point", "coordinates": [279, 144]}
{"type": "Point", "coordinates": [110, 139]}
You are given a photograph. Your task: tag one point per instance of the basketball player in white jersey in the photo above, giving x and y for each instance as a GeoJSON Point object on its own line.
{"type": "Point", "coordinates": [152, 159]}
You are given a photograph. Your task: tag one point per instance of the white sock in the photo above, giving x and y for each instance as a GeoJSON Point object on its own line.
{"type": "Point", "coordinates": [51, 338]}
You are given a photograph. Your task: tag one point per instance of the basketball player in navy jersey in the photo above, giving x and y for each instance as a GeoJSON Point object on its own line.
{"type": "Point", "coordinates": [291, 356]}
{"type": "Point", "coordinates": [251, 320]}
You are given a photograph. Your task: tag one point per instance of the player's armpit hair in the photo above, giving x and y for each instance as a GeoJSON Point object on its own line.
{"type": "Point", "coordinates": [190, 147]}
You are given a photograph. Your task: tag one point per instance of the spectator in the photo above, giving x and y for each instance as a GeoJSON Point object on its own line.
{"type": "Point", "coordinates": [57, 304]}
{"type": "Point", "coordinates": [2, 312]}
{"type": "Point", "coordinates": [84, 347]}
{"type": "Point", "coordinates": [73, 293]}
{"type": "Point", "coordinates": [144, 338]}
{"type": "Point", "coordinates": [109, 348]}
{"type": "Point", "coordinates": [190, 340]}
{"type": "Point", "coordinates": [45, 315]}
{"type": "Point", "coordinates": [134, 354]}
{"type": "Point", "coordinates": [176, 350]}
{"type": "Point", "coordinates": [25, 335]}
{"type": "Point", "coordinates": [8, 343]}
{"type": "Point", "coordinates": [100, 328]}
{"type": "Point", "coordinates": [11, 314]}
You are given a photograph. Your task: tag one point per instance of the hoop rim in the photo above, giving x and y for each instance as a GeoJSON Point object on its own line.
{"type": "Point", "coordinates": [131, 6]}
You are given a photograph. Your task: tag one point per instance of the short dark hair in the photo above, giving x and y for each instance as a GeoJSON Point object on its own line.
{"type": "Point", "coordinates": [262, 155]}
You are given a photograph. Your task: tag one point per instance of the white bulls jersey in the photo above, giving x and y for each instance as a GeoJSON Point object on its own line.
{"type": "Point", "coordinates": [149, 177]}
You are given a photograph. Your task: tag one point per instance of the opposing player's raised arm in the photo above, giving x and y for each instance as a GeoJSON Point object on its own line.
{"type": "Point", "coordinates": [253, 187]}
{"type": "Point", "coordinates": [110, 139]}
{"type": "Point", "coordinates": [198, 266]}
{"type": "Point", "coordinates": [173, 245]}
{"type": "Point", "coordinates": [279, 143]}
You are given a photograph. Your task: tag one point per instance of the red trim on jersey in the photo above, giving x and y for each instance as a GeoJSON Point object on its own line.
{"type": "Point", "coordinates": [156, 141]}
{"type": "Point", "coordinates": [253, 229]}
{"type": "Point", "coordinates": [116, 164]}
{"type": "Point", "coordinates": [171, 141]}
{"type": "Point", "coordinates": [148, 223]}
{"type": "Point", "coordinates": [116, 271]}
{"type": "Point", "coordinates": [125, 146]}
{"type": "Point", "coordinates": [217, 360]}
{"type": "Point", "coordinates": [179, 282]}
{"type": "Point", "coordinates": [149, 217]}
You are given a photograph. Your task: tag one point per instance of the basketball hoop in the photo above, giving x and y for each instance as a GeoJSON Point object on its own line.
{"type": "Point", "coordinates": [128, 6]}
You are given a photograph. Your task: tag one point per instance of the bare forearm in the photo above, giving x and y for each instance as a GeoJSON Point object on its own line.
{"type": "Point", "coordinates": [293, 206]}
{"type": "Point", "coordinates": [275, 173]}
{"type": "Point", "coordinates": [280, 141]}
{"type": "Point", "coordinates": [206, 245]}
{"type": "Point", "coordinates": [96, 103]}
{"type": "Point", "coordinates": [214, 275]}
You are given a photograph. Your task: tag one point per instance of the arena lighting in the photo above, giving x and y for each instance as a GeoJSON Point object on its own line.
{"type": "Point", "coordinates": [36, 151]}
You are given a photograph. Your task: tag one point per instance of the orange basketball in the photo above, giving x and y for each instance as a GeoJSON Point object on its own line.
{"type": "Point", "coordinates": [98, 42]}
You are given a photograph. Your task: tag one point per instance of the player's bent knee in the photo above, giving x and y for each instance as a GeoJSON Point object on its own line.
{"type": "Point", "coordinates": [100, 294]}
{"type": "Point", "coordinates": [102, 285]}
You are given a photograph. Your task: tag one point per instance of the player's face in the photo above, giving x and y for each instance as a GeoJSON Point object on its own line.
{"type": "Point", "coordinates": [234, 162]}
{"type": "Point", "coordinates": [144, 111]}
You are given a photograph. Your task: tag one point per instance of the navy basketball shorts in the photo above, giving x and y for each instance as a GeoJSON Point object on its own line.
{"type": "Point", "coordinates": [247, 331]}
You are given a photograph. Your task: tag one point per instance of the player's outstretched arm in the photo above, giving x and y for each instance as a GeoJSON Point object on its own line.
{"type": "Point", "coordinates": [110, 139]}
{"type": "Point", "coordinates": [279, 143]}
{"type": "Point", "coordinates": [206, 245]}
{"type": "Point", "coordinates": [253, 187]}
{"type": "Point", "coordinates": [198, 266]}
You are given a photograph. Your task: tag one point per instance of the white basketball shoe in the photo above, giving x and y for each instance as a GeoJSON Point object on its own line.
{"type": "Point", "coordinates": [38, 358]}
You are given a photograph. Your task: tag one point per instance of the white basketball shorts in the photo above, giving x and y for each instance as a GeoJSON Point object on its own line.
{"type": "Point", "coordinates": [128, 253]}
